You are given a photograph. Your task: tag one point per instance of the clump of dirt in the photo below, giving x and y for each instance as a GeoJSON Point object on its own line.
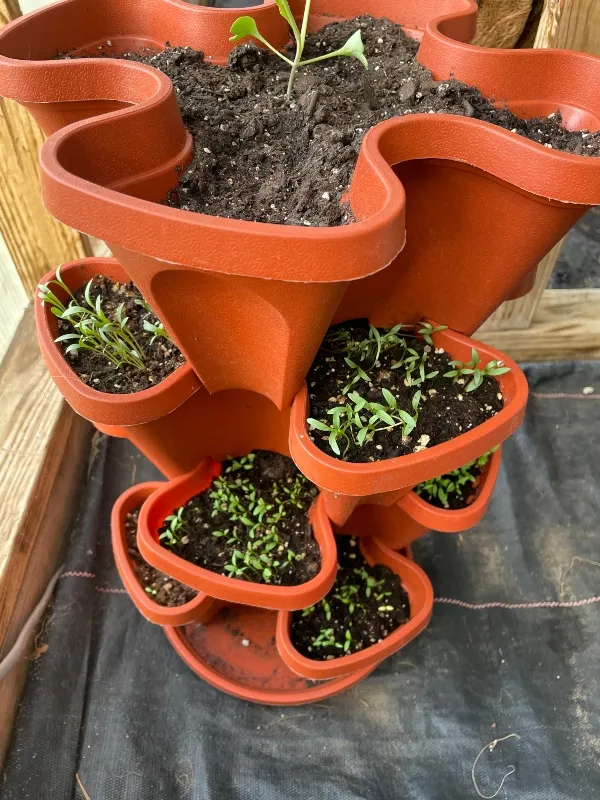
{"type": "Point", "coordinates": [251, 523]}
{"type": "Point", "coordinates": [160, 587]}
{"type": "Point", "coordinates": [364, 606]}
{"type": "Point", "coordinates": [161, 357]}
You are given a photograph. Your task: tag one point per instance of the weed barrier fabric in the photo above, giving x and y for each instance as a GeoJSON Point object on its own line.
{"type": "Point", "coordinates": [513, 647]}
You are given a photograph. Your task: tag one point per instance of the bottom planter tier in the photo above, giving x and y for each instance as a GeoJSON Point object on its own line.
{"type": "Point", "coordinates": [236, 653]}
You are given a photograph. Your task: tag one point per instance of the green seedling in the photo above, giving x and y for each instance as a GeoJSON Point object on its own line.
{"type": "Point", "coordinates": [427, 330]}
{"type": "Point", "coordinates": [246, 26]}
{"type": "Point", "coordinates": [326, 638]}
{"type": "Point", "coordinates": [153, 325]}
{"type": "Point", "coordinates": [476, 372]}
{"type": "Point", "coordinates": [451, 483]}
{"type": "Point", "coordinates": [93, 330]}
{"type": "Point", "coordinates": [176, 532]}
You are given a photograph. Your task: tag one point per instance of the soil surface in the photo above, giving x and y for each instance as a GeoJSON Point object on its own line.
{"type": "Point", "coordinates": [160, 587]}
{"type": "Point", "coordinates": [252, 518]}
{"type": "Point", "coordinates": [445, 409]}
{"type": "Point", "coordinates": [259, 157]}
{"type": "Point", "coordinates": [161, 357]}
{"type": "Point", "coordinates": [364, 606]}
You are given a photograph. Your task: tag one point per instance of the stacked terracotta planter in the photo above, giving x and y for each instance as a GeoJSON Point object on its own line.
{"type": "Point", "coordinates": [453, 216]}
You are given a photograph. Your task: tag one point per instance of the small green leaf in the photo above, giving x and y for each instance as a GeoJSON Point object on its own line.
{"type": "Point", "coordinates": [315, 423]}
{"type": "Point", "coordinates": [389, 398]}
{"type": "Point", "coordinates": [333, 443]}
{"type": "Point", "coordinates": [354, 47]}
{"type": "Point", "coordinates": [242, 27]}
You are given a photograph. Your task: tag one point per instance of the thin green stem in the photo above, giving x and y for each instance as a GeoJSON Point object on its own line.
{"type": "Point", "coordinates": [300, 37]}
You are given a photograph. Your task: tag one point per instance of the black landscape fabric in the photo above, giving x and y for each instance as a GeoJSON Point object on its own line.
{"type": "Point", "coordinates": [513, 648]}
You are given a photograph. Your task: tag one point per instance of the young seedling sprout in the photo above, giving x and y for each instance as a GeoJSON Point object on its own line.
{"type": "Point", "coordinates": [472, 368]}
{"type": "Point", "coordinates": [94, 330]}
{"type": "Point", "coordinates": [452, 483]}
{"type": "Point", "coordinates": [246, 26]}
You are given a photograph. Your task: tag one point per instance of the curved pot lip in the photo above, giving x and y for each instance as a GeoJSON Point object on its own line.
{"type": "Point", "coordinates": [162, 615]}
{"type": "Point", "coordinates": [455, 520]}
{"type": "Point", "coordinates": [108, 409]}
{"type": "Point", "coordinates": [231, 590]}
{"type": "Point", "coordinates": [205, 671]}
{"type": "Point", "coordinates": [366, 478]}
{"type": "Point", "coordinates": [418, 583]}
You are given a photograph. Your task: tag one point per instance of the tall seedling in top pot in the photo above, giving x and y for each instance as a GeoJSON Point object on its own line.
{"type": "Point", "coordinates": [246, 26]}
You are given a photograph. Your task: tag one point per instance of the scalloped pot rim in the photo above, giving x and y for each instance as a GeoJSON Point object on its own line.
{"type": "Point", "coordinates": [377, 196]}
{"type": "Point", "coordinates": [362, 479]}
{"type": "Point", "coordinates": [199, 609]}
{"type": "Point", "coordinates": [233, 590]}
{"type": "Point", "coordinates": [102, 407]}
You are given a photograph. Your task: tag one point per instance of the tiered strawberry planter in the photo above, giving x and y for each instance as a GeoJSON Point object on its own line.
{"type": "Point", "coordinates": [446, 217]}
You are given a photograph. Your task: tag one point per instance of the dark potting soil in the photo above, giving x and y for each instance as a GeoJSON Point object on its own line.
{"type": "Point", "coordinates": [163, 589]}
{"type": "Point", "coordinates": [364, 606]}
{"type": "Point", "coordinates": [259, 157]}
{"type": "Point", "coordinates": [253, 519]}
{"type": "Point", "coordinates": [161, 357]}
{"type": "Point", "coordinates": [445, 409]}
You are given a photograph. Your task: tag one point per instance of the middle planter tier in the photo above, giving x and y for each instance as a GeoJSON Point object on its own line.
{"type": "Point", "coordinates": [347, 485]}
{"type": "Point", "coordinates": [176, 493]}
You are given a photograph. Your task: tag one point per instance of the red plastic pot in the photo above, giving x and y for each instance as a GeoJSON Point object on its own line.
{"type": "Point", "coordinates": [346, 485]}
{"type": "Point", "coordinates": [245, 314]}
{"type": "Point", "coordinates": [174, 494]}
{"type": "Point", "coordinates": [420, 592]}
{"type": "Point", "coordinates": [201, 609]}
{"type": "Point", "coordinates": [177, 423]}
{"type": "Point", "coordinates": [398, 525]}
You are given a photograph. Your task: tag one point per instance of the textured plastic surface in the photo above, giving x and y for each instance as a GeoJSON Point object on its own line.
{"type": "Point", "coordinates": [418, 587]}
{"type": "Point", "coordinates": [402, 523]}
{"type": "Point", "coordinates": [232, 590]}
{"type": "Point", "coordinates": [253, 671]}
{"type": "Point", "coordinates": [201, 609]}
{"type": "Point", "coordinates": [351, 484]}
{"type": "Point", "coordinates": [465, 187]}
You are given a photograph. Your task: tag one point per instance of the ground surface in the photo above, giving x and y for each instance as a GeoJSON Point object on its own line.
{"type": "Point", "coordinates": [110, 700]}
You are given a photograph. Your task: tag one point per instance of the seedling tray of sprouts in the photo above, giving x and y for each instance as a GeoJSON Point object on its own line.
{"type": "Point", "coordinates": [364, 606]}
{"type": "Point", "coordinates": [382, 393]}
{"type": "Point", "coordinates": [251, 523]}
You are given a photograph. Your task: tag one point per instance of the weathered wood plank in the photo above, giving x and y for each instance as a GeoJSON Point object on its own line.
{"type": "Point", "coordinates": [43, 446]}
{"type": "Point", "coordinates": [566, 325]}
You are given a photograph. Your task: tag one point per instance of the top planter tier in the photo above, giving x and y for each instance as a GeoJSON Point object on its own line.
{"type": "Point", "coordinates": [248, 303]}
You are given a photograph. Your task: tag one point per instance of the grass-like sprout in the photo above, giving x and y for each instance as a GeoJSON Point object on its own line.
{"type": "Point", "coordinates": [455, 482]}
{"type": "Point", "coordinates": [474, 369]}
{"type": "Point", "coordinates": [152, 324]}
{"type": "Point", "coordinates": [176, 532]}
{"type": "Point", "coordinates": [246, 26]}
{"type": "Point", "coordinates": [93, 330]}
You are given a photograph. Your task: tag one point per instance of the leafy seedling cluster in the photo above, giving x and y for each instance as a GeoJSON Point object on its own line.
{"type": "Point", "coordinates": [246, 26]}
{"type": "Point", "coordinates": [359, 602]}
{"type": "Point", "coordinates": [255, 535]}
{"type": "Point", "coordinates": [456, 484]}
{"type": "Point", "coordinates": [358, 420]}
{"type": "Point", "coordinates": [475, 371]}
{"type": "Point", "coordinates": [93, 330]}
{"type": "Point", "coordinates": [366, 410]}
